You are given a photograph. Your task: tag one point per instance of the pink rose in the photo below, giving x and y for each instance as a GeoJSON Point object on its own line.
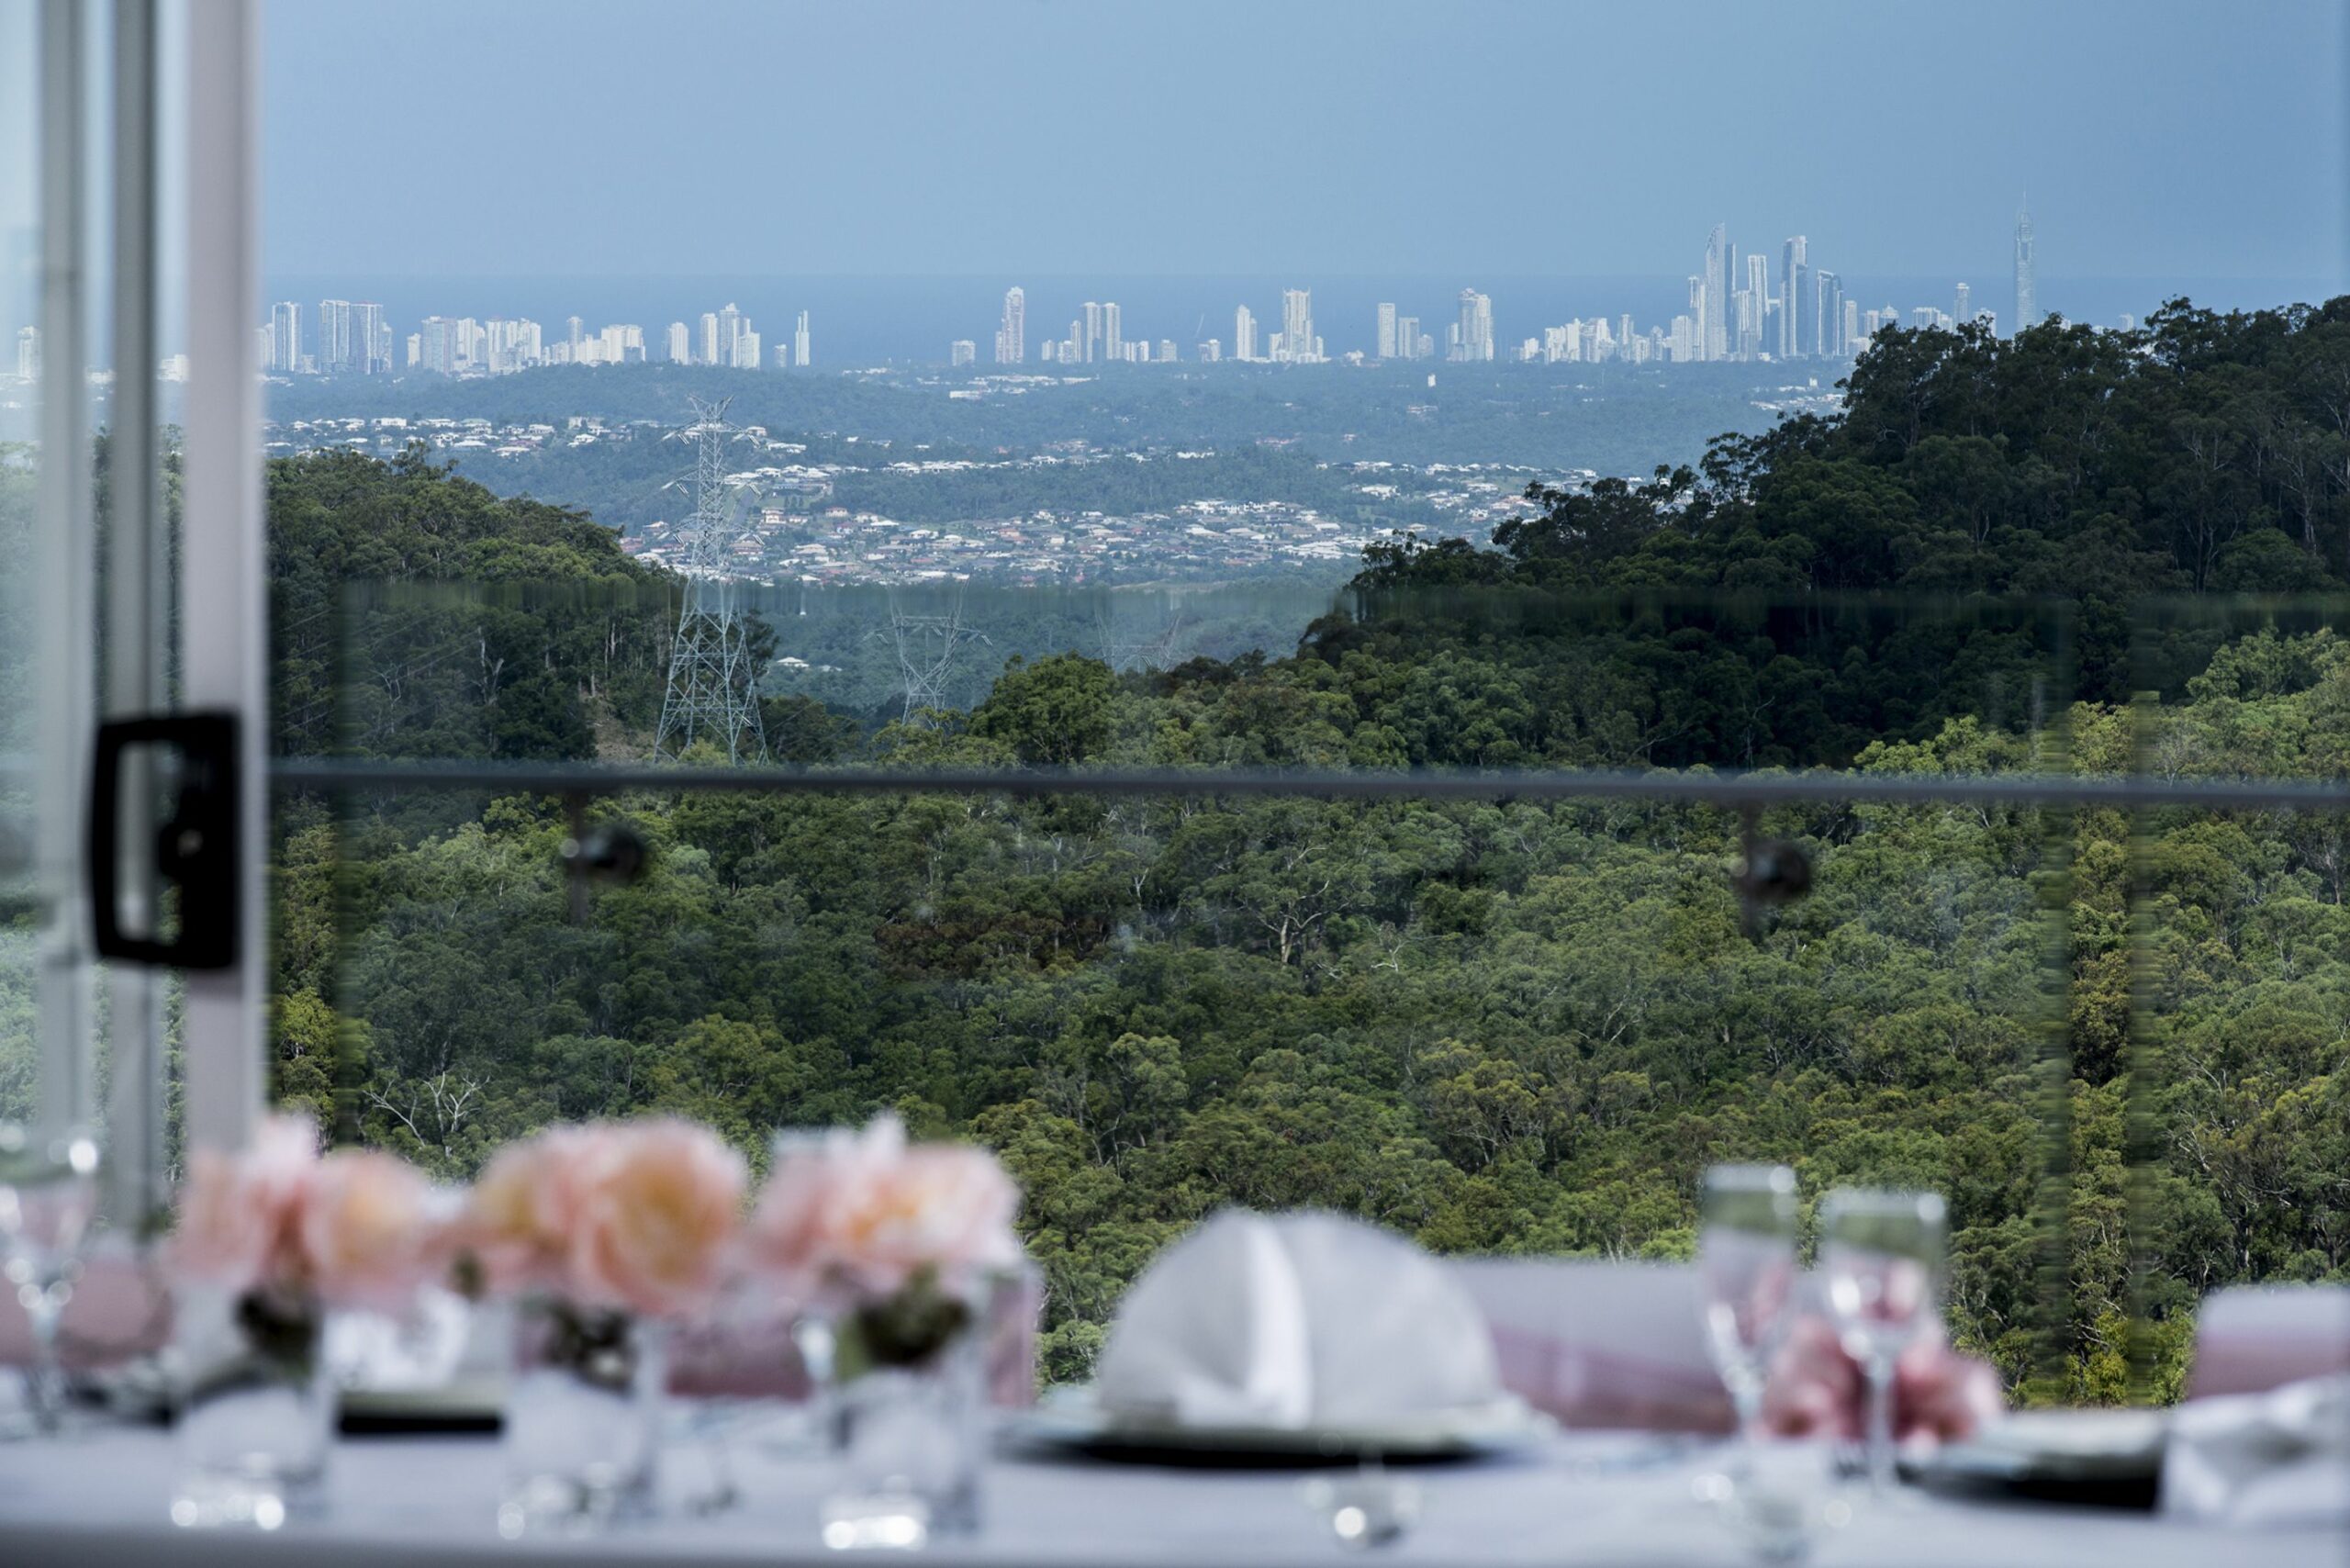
{"type": "Point", "coordinates": [520, 1215]}
{"type": "Point", "coordinates": [860, 1214]}
{"type": "Point", "coordinates": [1816, 1389]}
{"type": "Point", "coordinates": [653, 1209]}
{"type": "Point", "coordinates": [370, 1231]}
{"type": "Point", "coordinates": [239, 1213]}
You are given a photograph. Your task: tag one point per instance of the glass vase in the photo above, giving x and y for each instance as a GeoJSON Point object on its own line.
{"type": "Point", "coordinates": [907, 1439]}
{"type": "Point", "coordinates": [256, 1418]}
{"type": "Point", "coordinates": [583, 1419]}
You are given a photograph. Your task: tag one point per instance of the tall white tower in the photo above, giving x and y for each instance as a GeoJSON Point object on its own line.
{"type": "Point", "coordinates": [2027, 308]}
{"type": "Point", "coordinates": [1011, 337]}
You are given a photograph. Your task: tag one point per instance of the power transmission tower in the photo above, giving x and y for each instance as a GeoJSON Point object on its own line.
{"type": "Point", "coordinates": [926, 647]}
{"type": "Point", "coordinates": [1132, 648]}
{"type": "Point", "coordinates": [713, 689]}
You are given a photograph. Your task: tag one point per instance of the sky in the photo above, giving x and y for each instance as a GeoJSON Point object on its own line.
{"type": "Point", "coordinates": [2156, 139]}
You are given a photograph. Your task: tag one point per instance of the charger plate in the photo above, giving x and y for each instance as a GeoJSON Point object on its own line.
{"type": "Point", "coordinates": [1073, 1422]}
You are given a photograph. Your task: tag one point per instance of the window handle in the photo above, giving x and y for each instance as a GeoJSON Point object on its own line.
{"type": "Point", "coordinates": [197, 847]}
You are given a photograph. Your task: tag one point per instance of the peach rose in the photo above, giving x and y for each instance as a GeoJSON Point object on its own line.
{"type": "Point", "coordinates": [520, 1215]}
{"type": "Point", "coordinates": [239, 1213]}
{"type": "Point", "coordinates": [371, 1232]}
{"type": "Point", "coordinates": [860, 1214]}
{"type": "Point", "coordinates": [652, 1218]}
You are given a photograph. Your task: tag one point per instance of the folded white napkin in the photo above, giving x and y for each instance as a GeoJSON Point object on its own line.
{"type": "Point", "coordinates": [1294, 1320]}
{"type": "Point", "coordinates": [2250, 1339]}
{"type": "Point", "coordinates": [2277, 1459]}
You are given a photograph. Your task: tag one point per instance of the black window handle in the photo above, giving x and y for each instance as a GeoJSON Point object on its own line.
{"type": "Point", "coordinates": [196, 846]}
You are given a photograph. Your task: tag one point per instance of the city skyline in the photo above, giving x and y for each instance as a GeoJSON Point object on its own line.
{"type": "Point", "coordinates": [1804, 315]}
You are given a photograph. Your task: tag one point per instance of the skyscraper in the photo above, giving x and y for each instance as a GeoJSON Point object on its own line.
{"type": "Point", "coordinates": [1966, 310]}
{"type": "Point", "coordinates": [1092, 348]}
{"type": "Point", "coordinates": [1113, 337]}
{"type": "Point", "coordinates": [962, 351]}
{"type": "Point", "coordinates": [1387, 331]}
{"type": "Point", "coordinates": [1793, 283]}
{"type": "Point", "coordinates": [1829, 311]}
{"type": "Point", "coordinates": [730, 332]}
{"type": "Point", "coordinates": [334, 336]}
{"type": "Point", "coordinates": [1474, 333]}
{"type": "Point", "coordinates": [1407, 337]}
{"type": "Point", "coordinates": [2027, 308]}
{"type": "Point", "coordinates": [370, 341]}
{"type": "Point", "coordinates": [1244, 335]}
{"type": "Point", "coordinates": [285, 335]}
{"type": "Point", "coordinates": [1297, 323]}
{"type": "Point", "coordinates": [29, 353]}
{"type": "Point", "coordinates": [1716, 292]}
{"type": "Point", "coordinates": [1758, 295]}
{"type": "Point", "coordinates": [1012, 336]}
{"type": "Point", "coordinates": [681, 344]}
{"type": "Point", "coordinates": [572, 333]}
{"type": "Point", "coordinates": [800, 342]}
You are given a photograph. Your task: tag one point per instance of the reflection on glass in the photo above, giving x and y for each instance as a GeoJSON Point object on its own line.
{"type": "Point", "coordinates": [1881, 1258]}
{"type": "Point", "coordinates": [49, 1195]}
{"type": "Point", "coordinates": [1746, 1273]}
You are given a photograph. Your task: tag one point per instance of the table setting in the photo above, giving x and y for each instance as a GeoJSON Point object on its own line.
{"type": "Point", "coordinates": [616, 1345]}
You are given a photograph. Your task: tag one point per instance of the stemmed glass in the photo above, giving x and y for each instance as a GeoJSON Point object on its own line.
{"type": "Point", "coordinates": [1746, 1276]}
{"type": "Point", "coordinates": [49, 1195]}
{"type": "Point", "coordinates": [1881, 1257]}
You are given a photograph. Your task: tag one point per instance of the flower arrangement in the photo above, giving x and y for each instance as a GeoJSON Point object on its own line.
{"type": "Point", "coordinates": [892, 1238]}
{"type": "Point", "coordinates": [288, 1233]}
{"type": "Point", "coordinates": [616, 1216]}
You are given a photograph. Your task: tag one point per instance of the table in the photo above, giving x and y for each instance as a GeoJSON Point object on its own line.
{"type": "Point", "coordinates": [99, 1502]}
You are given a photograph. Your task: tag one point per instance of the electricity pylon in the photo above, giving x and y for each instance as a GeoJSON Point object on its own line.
{"type": "Point", "coordinates": [926, 647]}
{"type": "Point", "coordinates": [713, 692]}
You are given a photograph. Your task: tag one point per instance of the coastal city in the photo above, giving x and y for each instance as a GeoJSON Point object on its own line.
{"type": "Point", "coordinates": [1741, 308]}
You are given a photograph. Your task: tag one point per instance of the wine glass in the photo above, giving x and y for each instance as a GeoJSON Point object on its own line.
{"type": "Point", "coordinates": [49, 1195]}
{"type": "Point", "coordinates": [1746, 1276]}
{"type": "Point", "coordinates": [1881, 1258]}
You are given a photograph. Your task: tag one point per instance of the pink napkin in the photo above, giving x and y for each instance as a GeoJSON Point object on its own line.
{"type": "Point", "coordinates": [2251, 1339]}
{"type": "Point", "coordinates": [120, 1310]}
{"type": "Point", "coordinates": [1599, 1344]}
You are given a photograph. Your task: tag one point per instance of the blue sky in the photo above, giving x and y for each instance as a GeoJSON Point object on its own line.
{"type": "Point", "coordinates": [699, 137]}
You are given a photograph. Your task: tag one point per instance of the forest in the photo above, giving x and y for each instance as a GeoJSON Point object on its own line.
{"type": "Point", "coordinates": [2115, 1040]}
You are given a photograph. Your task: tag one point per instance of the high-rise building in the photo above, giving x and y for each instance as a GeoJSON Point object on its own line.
{"type": "Point", "coordinates": [1012, 336]}
{"type": "Point", "coordinates": [1165, 349]}
{"type": "Point", "coordinates": [708, 353]}
{"type": "Point", "coordinates": [962, 351]}
{"type": "Point", "coordinates": [1831, 313]}
{"type": "Point", "coordinates": [1716, 292]}
{"type": "Point", "coordinates": [1795, 283]}
{"type": "Point", "coordinates": [1297, 324]}
{"type": "Point", "coordinates": [1407, 337]}
{"type": "Point", "coordinates": [800, 342]}
{"type": "Point", "coordinates": [2027, 308]}
{"type": "Point", "coordinates": [1113, 339]}
{"type": "Point", "coordinates": [1387, 331]}
{"type": "Point", "coordinates": [1758, 305]}
{"type": "Point", "coordinates": [1964, 310]}
{"type": "Point", "coordinates": [681, 344]}
{"type": "Point", "coordinates": [1473, 334]}
{"type": "Point", "coordinates": [1852, 326]}
{"type": "Point", "coordinates": [574, 332]}
{"type": "Point", "coordinates": [370, 341]}
{"type": "Point", "coordinates": [285, 335]}
{"type": "Point", "coordinates": [334, 336]}
{"type": "Point", "coordinates": [29, 353]}
{"type": "Point", "coordinates": [1244, 335]}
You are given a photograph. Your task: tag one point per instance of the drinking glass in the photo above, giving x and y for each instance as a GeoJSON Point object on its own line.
{"type": "Point", "coordinates": [1881, 1258]}
{"type": "Point", "coordinates": [49, 1195]}
{"type": "Point", "coordinates": [1746, 1276]}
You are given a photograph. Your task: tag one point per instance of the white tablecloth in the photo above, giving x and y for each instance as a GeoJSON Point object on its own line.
{"type": "Point", "coordinates": [99, 1502]}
